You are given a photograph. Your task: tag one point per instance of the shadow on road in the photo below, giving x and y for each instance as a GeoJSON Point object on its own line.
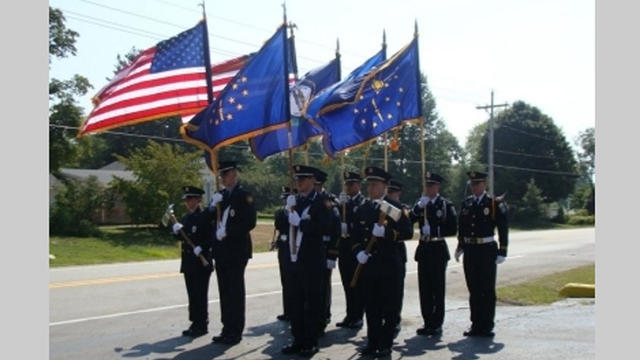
{"type": "Point", "coordinates": [469, 348]}
{"type": "Point", "coordinates": [419, 345]}
{"type": "Point", "coordinates": [161, 347]}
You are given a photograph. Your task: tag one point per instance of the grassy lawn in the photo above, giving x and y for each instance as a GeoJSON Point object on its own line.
{"type": "Point", "coordinates": [123, 244]}
{"type": "Point", "coordinates": [545, 290]}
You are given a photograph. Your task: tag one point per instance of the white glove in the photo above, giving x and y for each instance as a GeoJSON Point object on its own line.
{"type": "Point", "coordinates": [221, 233]}
{"type": "Point", "coordinates": [294, 257]}
{"type": "Point", "coordinates": [423, 201]}
{"type": "Point", "coordinates": [378, 230]}
{"type": "Point", "coordinates": [344, 229]}
{"type": "Point", "coordinates": [197, 250]}
{"type": "Point", "coordinates": [426, 230]}
{"type": "Point", "coordinates": [343, 198]}
{"type": "Point", "coordinates": [500, 259]}
{"type": "Point", "coordinates": [291, 201]}
{"type": "Point", "coordinates": [362, 257]}
{"type": "Point", "coordinates": [294, 218]}
{"type": "Point", "coordinates": [458, 254]}
{"type": "Point", "coordinates": [331, 264]}
{"type": "Point", "coordinates": [176, 228]}
{"type": "Point", "coordinates": [215, 199]}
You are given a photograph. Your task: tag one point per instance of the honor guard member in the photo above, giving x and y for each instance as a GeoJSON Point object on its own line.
{"type": "Point", "coordinates": [331, 242]}
{"type": "Point", "coordinates": [284, 255]}
{"type": "Point", "coordinates": [350, 202]}
{"type": "Point", "coordinates": [382, 264]}
{"type": "Point", "coordinates": [196, 224]}
{"type": "Point", "coordinates": [232, 250]}
{"type": "Point", "coordinates": [394, 192]}
{"type": "Point", "coordinates": [310, 214]}
{"type": "Point", "coordinates": [432, 253]}
{"type": "Point", "coordinates": [479, 215]}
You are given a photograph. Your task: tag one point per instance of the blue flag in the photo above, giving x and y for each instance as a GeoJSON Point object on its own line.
{"type": "Point", "coordinates": [301, 128]}
{"type": "Point", "coordinates": [378, 101]}
{"type": "Point", "coordinates": [252, 103]}
{"type": "Point", "coordinates": [344, 90]}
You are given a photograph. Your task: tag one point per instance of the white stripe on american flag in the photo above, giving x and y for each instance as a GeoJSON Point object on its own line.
{"type": "Point", "coordinates": [148, 106]}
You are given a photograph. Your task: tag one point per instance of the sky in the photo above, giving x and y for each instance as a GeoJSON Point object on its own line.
{"type": "Point", "coordinates": [541, 52]}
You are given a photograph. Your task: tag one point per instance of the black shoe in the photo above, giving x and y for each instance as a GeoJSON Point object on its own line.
{"type": "Point", "coordinates": [308, 352]}
{"type": "Point", "coordinates": [327, 321]}
{"type": "Point", "coordinates": [485, 333]}
{"type": "Point", "coordinates": [282, 317]}
{"type": "Point", "coordinates": [218, 338]}
{"type": "Point", "coordinates": [356, 324]}
{"type": "Point", "coordinates": [344, 323]}
{"type": "Point", "coordinates": [194, 332]}
{"type": "Point", "coordinates": [471, 332]}
{"type": "Point", "coordinates": [291, 349]}
{"type": "Point", "coordinates": [383, 352]}
{"type": "Point", "coordinates": [367, 350]}
{"type": "Point", "coordinates": [423, 331]}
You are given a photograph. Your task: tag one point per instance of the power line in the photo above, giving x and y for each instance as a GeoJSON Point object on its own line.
{"type": "Point", "coordinates": [322, 155]}
{"type": "Point", "coordinates": [526, 154]}
{"type": "Point", "coordinates": [525, 133]}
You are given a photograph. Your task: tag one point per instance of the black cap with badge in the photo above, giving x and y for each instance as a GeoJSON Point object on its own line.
{"type": "Point", "coordinates": [191, 191]}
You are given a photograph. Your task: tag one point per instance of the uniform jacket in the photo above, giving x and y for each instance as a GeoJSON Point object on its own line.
{"type": "Point", "coordinates": [198, 227]}
{"type": "Point", "coordinates": [236, 246]}
{"type": "Point", "coordinates": [480, 220]}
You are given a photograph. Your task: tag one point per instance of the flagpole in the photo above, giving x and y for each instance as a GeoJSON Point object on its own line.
{"type": "Point", "coordinates": [292, 231]}
{"type": "Point", "coordinates": [422, 122]}
{"type": "Point", "coordinates": [384, 137]}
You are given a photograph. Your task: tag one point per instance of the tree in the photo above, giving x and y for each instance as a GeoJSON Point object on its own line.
{"type": "Point", "coordinates": [587, 154]}
{"type": "Point", "coordinates": [77, 203]}
{"type": "Point", "coordinates": [531, 208]}
{"type": "Point", "coordinates": [527, 144]}
{"type": "Point", "coordinates": [161, 170]}
{"type": "Point", "coordinates": [64, 113]}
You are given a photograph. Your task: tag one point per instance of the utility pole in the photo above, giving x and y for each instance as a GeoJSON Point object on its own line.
{"type": "Point", "coordinates": [485, 107]}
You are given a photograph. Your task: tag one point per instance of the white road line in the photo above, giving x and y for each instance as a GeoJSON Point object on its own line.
{"type": "Point", "coordinates": [171, 307]}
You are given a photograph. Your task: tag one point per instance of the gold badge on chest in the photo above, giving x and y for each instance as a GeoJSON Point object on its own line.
{"type": "Point", "coordinates": [232, 212]}
{"type": "Point", "coordinates": [486, 211]}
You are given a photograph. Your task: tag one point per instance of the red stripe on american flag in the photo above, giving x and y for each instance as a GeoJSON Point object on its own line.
{"type": "Point", "coordinates": [124, 101]}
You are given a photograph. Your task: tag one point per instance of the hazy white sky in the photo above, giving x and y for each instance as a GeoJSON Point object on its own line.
{"type": "Point", "coordinates": [541, 52]}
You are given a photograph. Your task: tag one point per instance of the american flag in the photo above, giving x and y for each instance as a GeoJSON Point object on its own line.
{"type": "Point", "coordinates": [166, 80]}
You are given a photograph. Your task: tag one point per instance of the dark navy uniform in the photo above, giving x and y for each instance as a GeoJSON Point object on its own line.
{"type": "Point", "coordinates": [197, 226]}
{"type": "Point", "coordinates": [232, 254]}
{"type": "Point", "coordinates": [477, 221]}
{"type": "Point", "coordinates": [347, 263]}
{"type": "Point", "coordinates": [281, 223]}
{"type": "Point", "coordinates": [331, 242]}
{"type": "Point", "coordinates": [309, 268]}
{"type": "Point", "coordinates": [432, 255]}
{"type": "Point", "coordinates": [380, 274]}
{"type": "Point", "coordinates": [395, 185]}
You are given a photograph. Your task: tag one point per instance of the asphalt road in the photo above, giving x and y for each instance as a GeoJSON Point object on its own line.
{"type": "Point", "coordinates": [138, 310]}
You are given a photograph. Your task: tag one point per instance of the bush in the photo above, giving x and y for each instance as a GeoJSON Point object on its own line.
{"type": "Point", "coordinates": [76, 204]}
{"type": "Point", "coordinates": [581, 220]}
{"type": "Point", "coordinates": [560, 217]}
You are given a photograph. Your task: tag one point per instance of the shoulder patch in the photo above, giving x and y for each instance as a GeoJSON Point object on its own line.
{"type": "Point", "coordinates": [249, 199]}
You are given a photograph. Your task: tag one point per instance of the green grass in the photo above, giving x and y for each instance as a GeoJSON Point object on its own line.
{"type": "Point", "coordinates": [117, 244]}
{"type": "Point", "coordinates": [545, 290]}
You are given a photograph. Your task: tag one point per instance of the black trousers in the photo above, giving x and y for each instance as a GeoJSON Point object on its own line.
{"type": "Point", "coordinates": [432, 269]}
{"type": "Point", "coordinates": [284, 262]}
{"type": "Point", "coordinates": [306, 310]}
{"type": "Point", "coordinates": [198, 293]}
{"type": "Point", "coordinates": [400, 293]}
{"type": "Point", "coordinates": [380, 282]}
{"type": "Point", "coordinates": [326, 296]}
{"type": "Point", "coordinates": [347, 266]}
{"type": "Point", "coordinates": [232, 297]}
{"type": "Point", "coordinates": [480, 274]}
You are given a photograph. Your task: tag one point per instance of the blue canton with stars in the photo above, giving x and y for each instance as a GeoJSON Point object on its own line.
{"type": "Point", "coordinates": [252, 101]}
{"type": "Point", "coordinates": [181, 51]}
{"type": "Point", "coordinates": [385, 97]}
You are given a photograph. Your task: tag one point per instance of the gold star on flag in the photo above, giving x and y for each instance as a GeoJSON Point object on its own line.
{"type": "Point", "coordinates": [355, 111]}
{"type": "Point", "coordinates": [229, 116]}
{"type": "Point", "coordinates": [389, 116]}
{"type": "Point", "coordinates": [232, 100]}
{"type": "Point", "coordinates": [387, 98]}
{"type": "Point", "coordinates": [375, 124]}
{"type": "Point", "coordinates": [239, 107]}
{"type": "Point", "coordinates": [398, 103]}
{"type": "Point", "coordinates": [243, 79]}
{"type": "Point", "coordinates": [234, 86]}
{"type": "Point", "coordinates": [245, 92]}
{"type": "Point", "coordinates": [401, 89]}
{"type": "Point", "coordinates": [363, 121]}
